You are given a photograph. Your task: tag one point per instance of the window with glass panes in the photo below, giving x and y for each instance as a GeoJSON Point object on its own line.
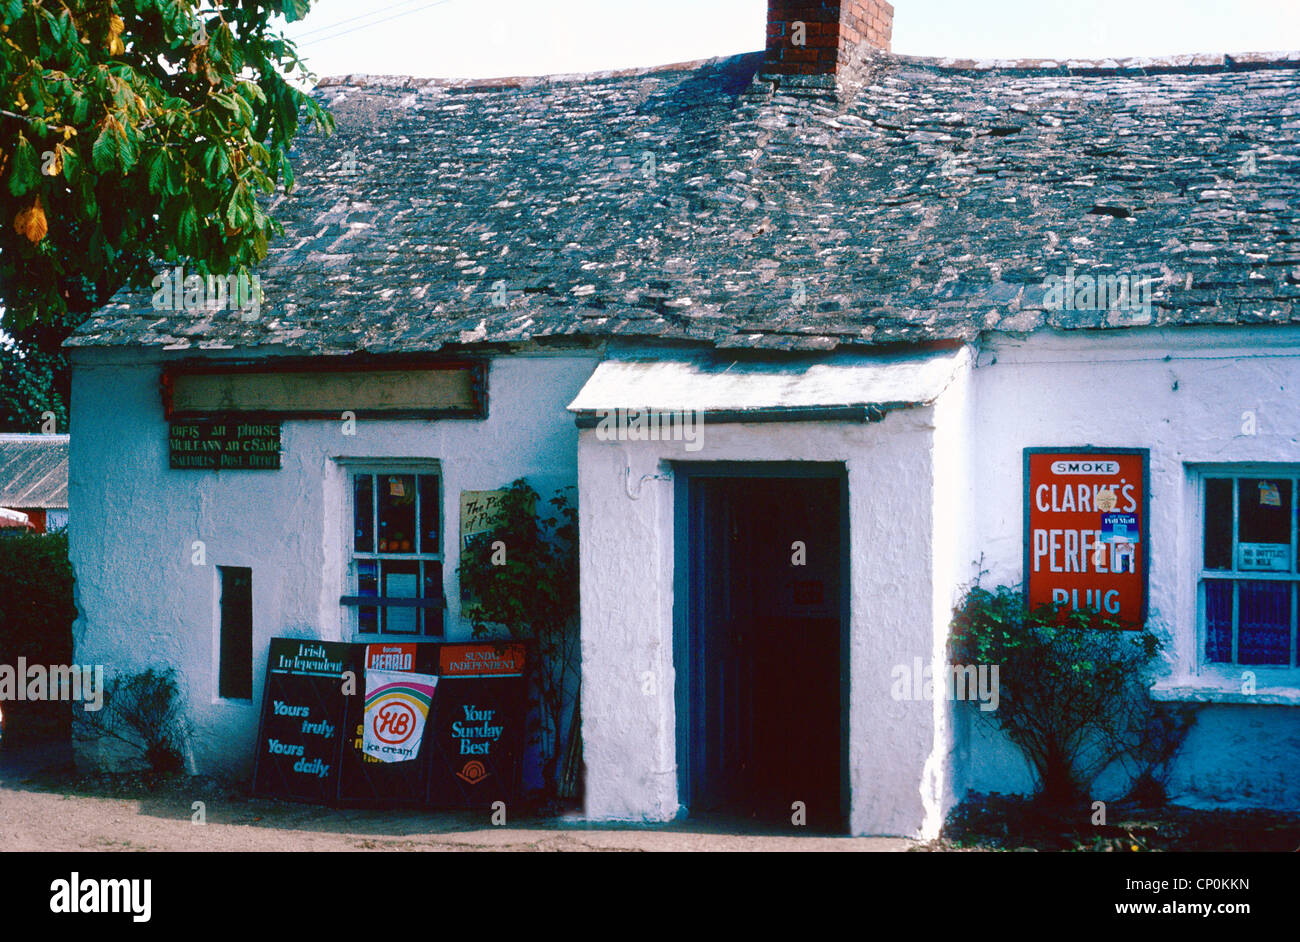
{"type": "Point", "coordinates": [1248, 587]}
{"type": "Point", "coordinates": [396, 570]}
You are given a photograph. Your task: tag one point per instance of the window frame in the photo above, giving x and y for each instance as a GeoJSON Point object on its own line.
{"type": "Point", "coordinates": [1268, 674]}
{"type": "Point", "coordinates": [351, 601]}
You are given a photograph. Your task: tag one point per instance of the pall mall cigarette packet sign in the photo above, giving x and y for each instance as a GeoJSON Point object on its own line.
{"type": "Point", "coordinates": [1087, 533]}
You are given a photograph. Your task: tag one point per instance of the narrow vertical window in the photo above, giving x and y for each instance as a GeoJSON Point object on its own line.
{"type": "Point", "coordinates": [235, 671]}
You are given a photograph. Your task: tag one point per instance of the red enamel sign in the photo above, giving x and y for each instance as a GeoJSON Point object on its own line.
{"type": "Point", "coordinates": [1086, 534]}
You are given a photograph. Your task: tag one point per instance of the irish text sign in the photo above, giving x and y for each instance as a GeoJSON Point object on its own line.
{"type": "Point", "coordinates": [219, 445]}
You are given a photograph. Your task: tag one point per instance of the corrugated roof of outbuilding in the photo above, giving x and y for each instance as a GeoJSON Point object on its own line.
{"type": "Point", "coordinates": [34, 471]}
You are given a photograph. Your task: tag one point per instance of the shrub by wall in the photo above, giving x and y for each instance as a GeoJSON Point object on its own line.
{"type": "Point", "coordinates": [36, 616]}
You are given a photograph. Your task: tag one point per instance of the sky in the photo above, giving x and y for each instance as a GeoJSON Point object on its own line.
{"type": "Point", "coordinates": [489, 38]}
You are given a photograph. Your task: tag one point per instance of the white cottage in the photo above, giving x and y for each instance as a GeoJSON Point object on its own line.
{"type": "Point", "coordinates": [857, 291]}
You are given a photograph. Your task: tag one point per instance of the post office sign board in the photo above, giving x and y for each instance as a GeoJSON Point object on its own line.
{"type": "Point", "coordinates": [224, 445]}
{"type": "Point", "coordinates": [1086, 531]}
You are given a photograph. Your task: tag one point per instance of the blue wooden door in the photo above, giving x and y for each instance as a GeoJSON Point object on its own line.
{"type": "Point", "coordinates": [765, 639]}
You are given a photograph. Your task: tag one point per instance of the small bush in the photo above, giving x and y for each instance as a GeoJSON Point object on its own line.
{"type": "Point", "coordinates": [1072, 689]}
{"type": "Point", "coordinates": [145, 712]}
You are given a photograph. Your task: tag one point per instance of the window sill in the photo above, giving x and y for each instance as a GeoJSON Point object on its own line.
{"type": "Point", "coordinates": [1210, 692]}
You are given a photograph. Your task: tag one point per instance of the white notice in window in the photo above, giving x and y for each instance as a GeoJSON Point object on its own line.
{"type": "Point", "coordinates": [1270, 557]}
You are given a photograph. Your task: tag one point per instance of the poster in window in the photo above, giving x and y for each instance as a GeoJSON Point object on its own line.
{"type": "Point", "coordinates": [402, 585]}
{"type": "Point", "coordinates": [1086, 537]}
{"type": "Point", "coordinates": [1264, 557]}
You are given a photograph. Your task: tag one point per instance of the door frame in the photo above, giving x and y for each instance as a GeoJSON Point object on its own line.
{"type": "Point", "coordinates": [686, 698]}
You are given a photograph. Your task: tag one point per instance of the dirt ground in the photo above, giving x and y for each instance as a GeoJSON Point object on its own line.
{"type": "Point", "coordinates": [44, 807]}
{"type": "Point", "coordinates": [1002, 823]}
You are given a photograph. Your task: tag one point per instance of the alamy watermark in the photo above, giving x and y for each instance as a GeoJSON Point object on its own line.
{"type": "Point", "coordinates": [79, 894]}
{"type": "Point", "coordinates": [650, 425]}
{"type": "Point", "coordinates": [959, 682]}
{"type": "Point", "coordinates": [55, 682]}
{"type": "Point", "coordinates": [176, 291]}
{"type": "Point", "coordinates": [1127, 294]}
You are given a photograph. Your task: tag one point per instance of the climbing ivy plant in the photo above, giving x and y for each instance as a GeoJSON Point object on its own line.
{"type": "Point", "coordinates": [521, 577]}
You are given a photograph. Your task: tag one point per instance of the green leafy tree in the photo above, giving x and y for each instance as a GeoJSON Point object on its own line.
{"type": "Point", "coordinates": [135, 132]}
{"type": "Point", "coordinates": [34, 375]}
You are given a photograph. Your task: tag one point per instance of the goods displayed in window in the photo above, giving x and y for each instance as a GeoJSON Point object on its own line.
{"type": "Point", "coordinates": [397, 554]}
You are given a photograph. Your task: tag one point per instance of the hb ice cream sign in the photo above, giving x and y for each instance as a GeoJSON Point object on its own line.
{"type": "Point", "coordinates": [397, 704]}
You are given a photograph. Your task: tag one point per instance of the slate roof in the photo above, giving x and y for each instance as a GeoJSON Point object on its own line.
{"type": "Point", "coordinates": [34, 471]}
{"type": "Point", "coordinates": [696, 203]}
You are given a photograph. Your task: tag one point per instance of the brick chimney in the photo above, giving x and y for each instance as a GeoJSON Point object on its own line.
{"type": "Point", "coordinates": [825, 37]}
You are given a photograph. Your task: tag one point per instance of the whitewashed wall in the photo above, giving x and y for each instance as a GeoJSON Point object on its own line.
{"type": "Point", "coordinates": [953, 536]}
{"type": "Point", "coordinates": [932, 492]}
{"type": "Point", "coordinates": [627, 608]}
{"type": "Point", "coordinates": [939, 492]}
{"type": "Point", "coordinates": [134, 522]}
{"type": "Point", "coordinates": [1183, 394]}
